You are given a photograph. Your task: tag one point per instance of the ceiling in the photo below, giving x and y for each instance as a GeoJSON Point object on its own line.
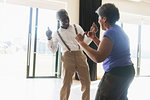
{"type": "Point", "coordinates": [146, 1]}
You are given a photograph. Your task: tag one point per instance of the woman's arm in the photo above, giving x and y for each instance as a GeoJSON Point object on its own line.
{"type": "Point", "coordinates": [99, 55]}
{"type": "Point", "coordinates": [96, 41]}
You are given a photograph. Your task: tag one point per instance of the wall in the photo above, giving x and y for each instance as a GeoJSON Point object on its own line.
{"type": "Point", "coordinates": [72, 6]}
{"type": "Point", "coordinates": [132, 12]}
{"type": "Point", "coordinates": [73, 9]}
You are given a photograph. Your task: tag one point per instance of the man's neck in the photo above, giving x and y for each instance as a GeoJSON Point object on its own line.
{"type": "Point", "coordinates": [64, 27]}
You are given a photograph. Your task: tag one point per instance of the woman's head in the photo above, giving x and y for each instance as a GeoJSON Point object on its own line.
{"type": "Point", "coordinates": [109, 12]}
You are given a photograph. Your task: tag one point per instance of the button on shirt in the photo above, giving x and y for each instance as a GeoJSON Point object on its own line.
{"type": "Point", "coordinates": [68, 35]}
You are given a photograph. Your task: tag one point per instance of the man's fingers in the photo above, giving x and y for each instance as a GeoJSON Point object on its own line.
{"type": "Point", "coordinates": [79, 37]}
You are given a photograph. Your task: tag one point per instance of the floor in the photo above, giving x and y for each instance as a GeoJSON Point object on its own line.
{"type": "Point", "coordinates": [48, 89]}
{"type": "Point", "coordinates": [15, 86]}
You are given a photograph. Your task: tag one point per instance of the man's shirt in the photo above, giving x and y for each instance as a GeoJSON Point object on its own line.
{"type": "Point", "coordinates": [68, 35]}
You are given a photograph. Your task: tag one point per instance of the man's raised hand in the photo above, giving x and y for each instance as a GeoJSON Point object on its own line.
{"type": "Point", "coordinates": [49, 34]}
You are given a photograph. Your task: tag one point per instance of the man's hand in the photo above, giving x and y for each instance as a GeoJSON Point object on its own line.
{"type": "Point", "coordinates": [80, 38]}
{"type": "Point", "coordinates": [49, 34]}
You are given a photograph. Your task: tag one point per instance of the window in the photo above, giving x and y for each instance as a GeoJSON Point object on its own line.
{"type": "Point", "coordinates": [145, 50]}
{"type": "Point", "coordinates": [14, 22]}
{"type": "Point", "coordinates": [132, 32]}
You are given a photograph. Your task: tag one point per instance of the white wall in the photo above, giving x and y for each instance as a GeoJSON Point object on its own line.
{"type": "Point", "coordinates": [132, 12]}
{"type": "Point", "coordinates": [140, 8]}
{"type": "Point", "coordinates": [72, 6]}
{"type": "Point", "coordinates": [73, 9]}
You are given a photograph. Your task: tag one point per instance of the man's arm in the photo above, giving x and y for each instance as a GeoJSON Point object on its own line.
{"type": "Point", "coordinates": [81, 31]}
{"type": "Point", "coordinates": [53, 45]}
{"type": "Point", "coordinates": [52, 41]}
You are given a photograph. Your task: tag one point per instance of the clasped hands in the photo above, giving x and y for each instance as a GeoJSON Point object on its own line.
{"type": "Point", "coordinates": [90, 34]}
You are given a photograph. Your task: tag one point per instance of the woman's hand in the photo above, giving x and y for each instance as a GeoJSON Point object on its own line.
{"type": "Point", "coordinates": [92, 32]}
{"type": "Point", "coordinates": [94, 27]}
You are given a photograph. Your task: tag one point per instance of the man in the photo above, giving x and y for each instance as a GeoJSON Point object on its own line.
{"type": "Point", "coordinates": [73, 58]}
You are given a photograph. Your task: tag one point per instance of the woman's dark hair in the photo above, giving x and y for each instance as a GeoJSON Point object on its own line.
{"type": "Point", "coordinates": [110, 11]}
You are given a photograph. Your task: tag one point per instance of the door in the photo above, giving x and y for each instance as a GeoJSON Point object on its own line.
{"type": "Point", "coordinates": [41, 63]}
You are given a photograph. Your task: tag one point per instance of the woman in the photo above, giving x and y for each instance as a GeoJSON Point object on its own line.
{"type": "Point", "coordinates": [114, 52]}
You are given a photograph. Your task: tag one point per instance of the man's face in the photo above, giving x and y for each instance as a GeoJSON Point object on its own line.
{"type": "Point", "coordinates": [64, 19]}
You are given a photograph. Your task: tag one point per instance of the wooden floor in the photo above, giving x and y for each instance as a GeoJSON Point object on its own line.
{"type": "Point", "coordinates": [48, 89]}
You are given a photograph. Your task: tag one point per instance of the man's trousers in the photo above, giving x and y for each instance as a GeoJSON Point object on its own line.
{"type": "Point", "coordinates": [75, 61]}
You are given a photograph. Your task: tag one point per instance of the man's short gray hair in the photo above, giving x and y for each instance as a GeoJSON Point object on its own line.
{"type": "Point", "coordinates": [60, 13]}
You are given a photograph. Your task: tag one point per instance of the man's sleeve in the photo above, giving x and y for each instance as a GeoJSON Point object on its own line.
{"type": "Point", "coordinates": [53, 43]}
{"type": "Point", "coordinates": [81, 31]}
